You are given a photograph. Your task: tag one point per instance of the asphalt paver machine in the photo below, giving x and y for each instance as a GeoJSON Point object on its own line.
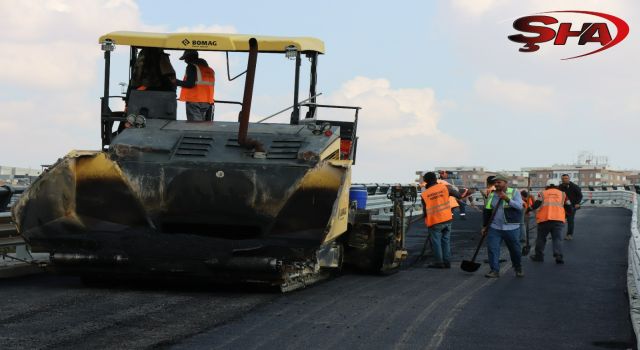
{"type": "Point", "coordinates": [233, 201]}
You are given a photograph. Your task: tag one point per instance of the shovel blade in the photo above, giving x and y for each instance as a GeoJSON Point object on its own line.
{"type": "Point", "coordinates": [469, 266]}
{"type": "Point", "coordinates": [525, 250]}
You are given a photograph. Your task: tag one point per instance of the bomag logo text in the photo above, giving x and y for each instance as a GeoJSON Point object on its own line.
{"type": "Point", "coordinates": [204, 43]}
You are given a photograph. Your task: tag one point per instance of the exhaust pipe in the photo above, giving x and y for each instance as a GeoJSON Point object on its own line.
{"type": "Point", "coordinates": [243, 117]}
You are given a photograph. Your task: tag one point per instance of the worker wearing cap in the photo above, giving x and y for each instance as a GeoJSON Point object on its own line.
{"type": "Point", "coordinates": [489, 186]}
{"type": "Point", "coordinates": [550, 219]}
{"type": "Point", "coordinates": [437, 217]}
{"type": "Point", "coordinates": [506, 203]}
{"type": "Point", "coordinates": [197, 88]}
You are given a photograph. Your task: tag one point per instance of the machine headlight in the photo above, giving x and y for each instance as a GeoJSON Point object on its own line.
{"type": "Point", "coordinates": [140, 121]}
{"type": "Point", "coordinates": [131, 119]}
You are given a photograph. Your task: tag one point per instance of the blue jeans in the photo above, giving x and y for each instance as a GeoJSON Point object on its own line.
{"type": "Point", "coordinates": [512, 239]}
{"type": "Point", "coordinates": [440, 241]}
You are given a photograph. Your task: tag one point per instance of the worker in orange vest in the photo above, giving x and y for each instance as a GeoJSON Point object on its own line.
{"type": "Point", "coordinates": [437, 217]}
{"type": "Point", "coordinates": [197, 88]}
{"type": "Point", "coordinates": [550, 219]}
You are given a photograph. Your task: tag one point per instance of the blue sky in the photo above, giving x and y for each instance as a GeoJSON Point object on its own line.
{"type": "Point", "coordinates": [439, 82]}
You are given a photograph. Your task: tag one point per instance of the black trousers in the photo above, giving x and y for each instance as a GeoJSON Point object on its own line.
{"type": "Point", "coordinates": [570, 221]}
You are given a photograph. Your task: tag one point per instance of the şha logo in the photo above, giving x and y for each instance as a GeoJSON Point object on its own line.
{"type": "Point", "coordinates": [597, 32]}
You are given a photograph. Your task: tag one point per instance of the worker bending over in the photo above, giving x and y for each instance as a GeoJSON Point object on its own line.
{"type": "Point", "coordinates": [550, 219]}
{"type": "Point", "coordinates": [437, 215]}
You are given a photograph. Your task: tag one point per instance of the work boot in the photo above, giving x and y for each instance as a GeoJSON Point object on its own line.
{"type": "Point", "coordinates": [559, 259]}
{"type": "Point", "coordinates": [492, 274]}
{"type": "Point", "coordinates": [536, 258]}
{"type": "Point", "coordinates": [568, 237]}
{"type": "Point", "coordinates": [436, 266]}
{"type": "Point", "coordinates": [519, 273]}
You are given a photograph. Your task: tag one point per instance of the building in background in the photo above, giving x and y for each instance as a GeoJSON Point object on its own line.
{"type": "Point", "coordinates": [589, 170]}
{"type": "Point", "coordinates": [633, 176]}
{"type": "Point", "coordinates": [584, 176]}
{"type": "Point", "coordinates": [463, 176]}
{"type": "Point", "coordinates": [18, 176]}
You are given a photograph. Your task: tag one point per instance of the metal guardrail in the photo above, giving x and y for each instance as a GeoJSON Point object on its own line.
{"type": "Point", "coordinates": [633, 272]}
{"type": "Point", "coordinates": [9, 195]}
{"type": "Point", "coordinates": [381, 206]}
{"type": "Point", "coordinates": [10, 240]}
{"type": "Point", "coordinates": [7, 229]}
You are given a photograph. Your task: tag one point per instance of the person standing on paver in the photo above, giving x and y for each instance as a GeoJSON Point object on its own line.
{"type": "Point", "coordinates": [574, 193]}
{"type": "Point", "coordinates": [505, 226]}
{"type": "Point", "coordinates": [550, 219]}
{"type": "Point", "coordinates": [197, 88]}
{"type": "Point", "coordinates": [437, 216]}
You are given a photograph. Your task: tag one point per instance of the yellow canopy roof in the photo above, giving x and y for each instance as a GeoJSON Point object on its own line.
{"type": "Point", "coordinates": [212, 41]}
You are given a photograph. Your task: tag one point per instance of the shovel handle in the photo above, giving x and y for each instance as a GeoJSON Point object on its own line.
{"type": "Point", "coordinates": [493, 215]}
{"type": "Point", "coordinates": [477, 249]}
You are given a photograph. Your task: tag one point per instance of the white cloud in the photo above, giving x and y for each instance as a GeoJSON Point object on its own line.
{"type": "Point", "coordinates": [398, 130]}
{"type": "Point", "coordinates": [633, 104]}
{"type": "Point", "coordinates": [475, 7]}
{"type": "Point", "coordinates": [55, 46]}
{"type": "Point", "coordinates": [478, 8]}
{"type": "Point", "coordinates": [51, 74]}
{"type": "Point", "coordinates": [207, 29]}
{"type": "Point", "coordinates": [515, 94]}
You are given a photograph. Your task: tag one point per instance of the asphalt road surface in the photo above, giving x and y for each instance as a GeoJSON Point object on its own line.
{"type": "Point", "coordinates": [579, 305]}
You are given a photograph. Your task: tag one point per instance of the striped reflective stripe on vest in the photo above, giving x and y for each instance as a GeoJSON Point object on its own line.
{"type": "Point", "coordinates": [199, 80]}
{"type": "Point", "coordinates": [489, 203]}
{"type": "Point", "coordinates": [438, 208]}
{"type": "Point", "coordinates": [436, 202]}
{"type": "Point", "coordinates": [552, 208]}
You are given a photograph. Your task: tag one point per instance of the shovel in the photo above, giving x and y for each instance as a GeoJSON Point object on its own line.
{"type": "Point", "coordinates": [472, 265]}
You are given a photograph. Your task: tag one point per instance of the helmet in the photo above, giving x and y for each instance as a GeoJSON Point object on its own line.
{"type": "Point", "coordinates": [552, 182]}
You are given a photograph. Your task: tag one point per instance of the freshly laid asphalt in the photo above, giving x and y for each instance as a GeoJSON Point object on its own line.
{"type": "Point", "coordinates": [579, 305]}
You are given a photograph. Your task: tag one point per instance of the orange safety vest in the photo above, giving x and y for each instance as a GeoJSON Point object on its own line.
{"type": "Point", "coordinates": [528, 203]}
{"type": "Point", "coordinates": [204, 88]}
{"type": "Point", "coordinates": [453, 202]}
{"type": "Point", "coordinates": [436, 202]}
{"type": "Point", "coordinates": [552, 207]}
